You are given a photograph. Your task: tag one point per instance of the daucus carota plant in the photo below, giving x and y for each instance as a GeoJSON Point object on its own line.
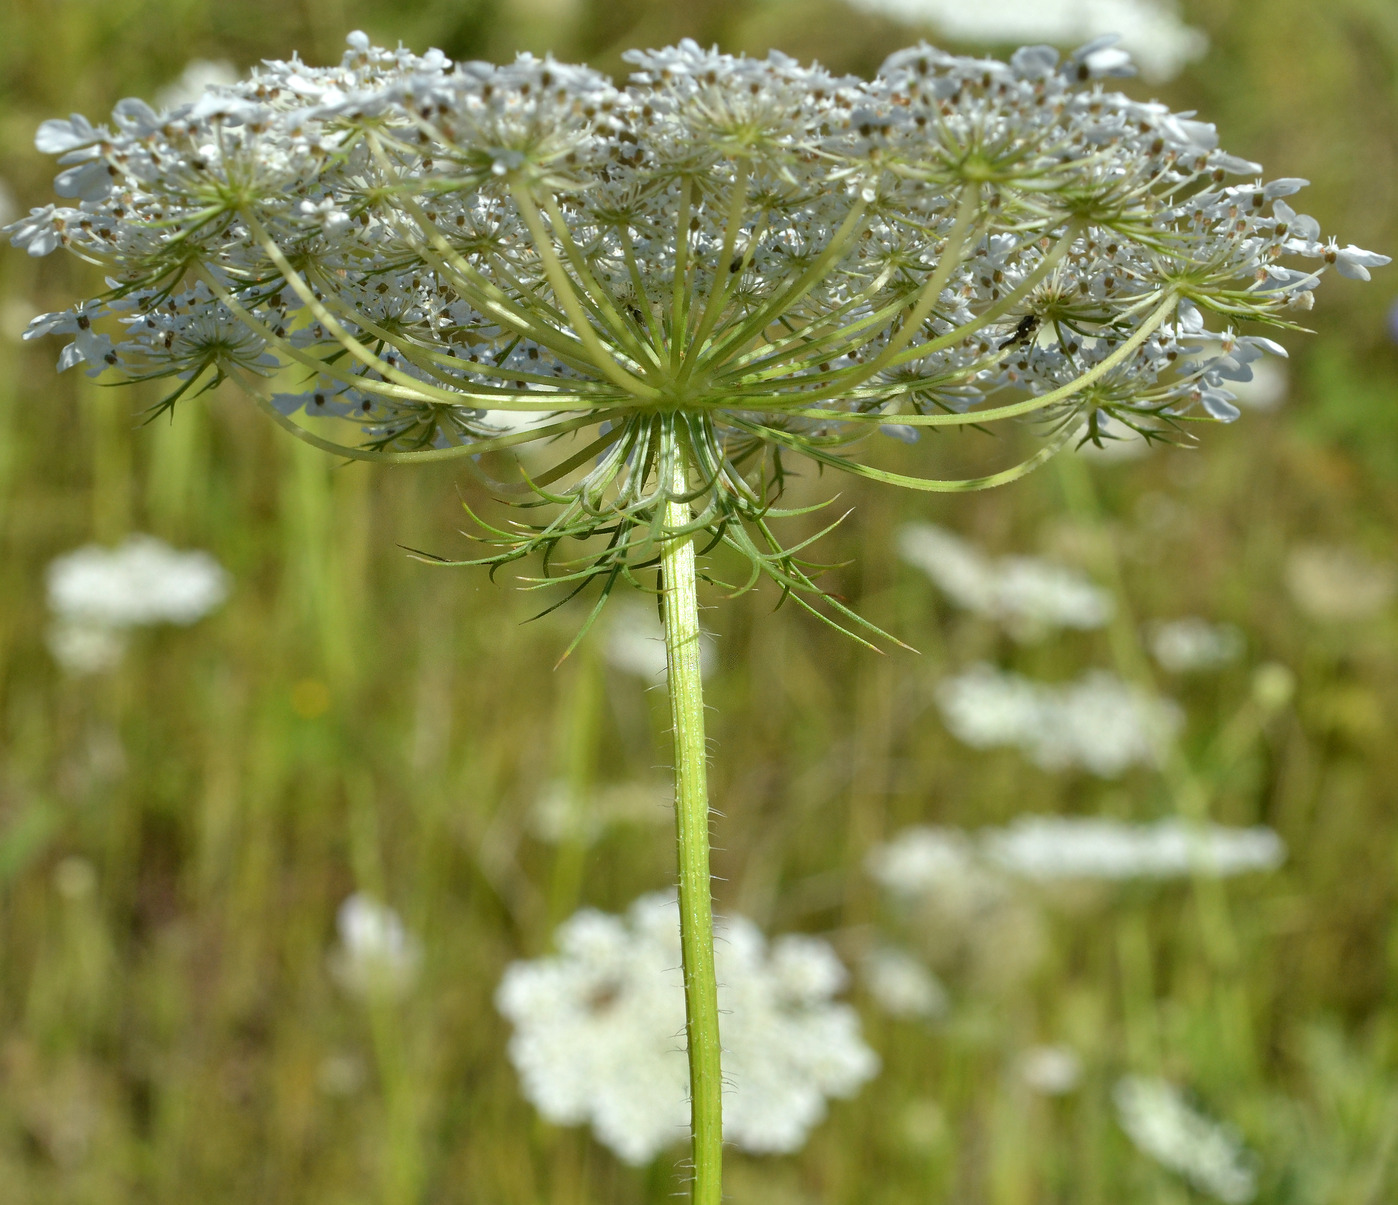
{"type": "Point", "coordinates": [679, 285]}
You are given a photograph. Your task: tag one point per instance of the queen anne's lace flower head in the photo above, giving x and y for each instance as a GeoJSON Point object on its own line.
{"type": "Point", "coordinates": [688, 278]}
{"type": "Point", "coordinates": [599, 1031]}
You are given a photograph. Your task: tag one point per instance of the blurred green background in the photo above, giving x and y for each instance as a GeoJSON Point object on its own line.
{"type": "Point", "coordinates": [176, 835]}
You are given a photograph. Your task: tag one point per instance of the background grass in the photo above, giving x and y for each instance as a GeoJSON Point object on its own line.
{"type": "Point", "coordinates": [175, 836]}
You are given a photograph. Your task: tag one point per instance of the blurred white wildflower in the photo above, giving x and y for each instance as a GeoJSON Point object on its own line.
{"type": "Point", "coordinates": [1098, 722]}
{"type": "Point", "coordinates": [95, 593]}
{"type": "Point", "coordinates": [198, 76]}
{"type": "Point", "coordinates": [967, 916]}
{"type": "Point", "coordinates": [377, 956]}
{"type": "Point", "coordinates": [559, 816]}
{"type": "Point", "coordinates": [1030, 596]}
{"type": "Point", "coordinates": [1208, 1154]}
{"type": "Point", "coordinates": [1046, 848]}
{"type": "Point", "coordinates": [1339, 584]}
{"type": "Point", "coordinates": [1186, 645]}
{"type": "Point", "coordinates": [922, 859]}
{"type": "Point", "coordinates": [902, 985]}
{"type": "Point", "coordinates": [144, 581]}
{"type": "Point", "coordinates": [1151, 30]}
{"type": "Point", "coordinates": [635, 642]}
{"type": "Point", "coordinates": [599, 1031]}
{"type": "Point", "coordinates": [1265, 389]}
{"type": "Point", "coordinates": [1051, 1070]}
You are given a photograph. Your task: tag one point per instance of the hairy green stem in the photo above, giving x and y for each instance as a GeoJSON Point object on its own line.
{"type": "Point", "coordinates": [681, 607]}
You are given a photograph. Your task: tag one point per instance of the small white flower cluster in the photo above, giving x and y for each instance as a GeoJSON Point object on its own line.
{"type": "Point", "coordinates": [924, 860]}
{"type": "Point", "coordinates": [1098, 722]}
{"type": "Point", "coordinates": [1029, 596]}
{"type": "Point", "coordinates": [599, 1031]}
{"type": "Point", "coordinates": [1162, 1125]}
{"type": "Point", "coordinates": [1189, 645]}
{"type": "Point", "coordinates": [1150, 29]}
{"type": "Point", "coordinates": [1048, 848]}
{"type": "Point", "coordinates": [377, 957]}
{"type": "Point", "coordinates": [97, 594]}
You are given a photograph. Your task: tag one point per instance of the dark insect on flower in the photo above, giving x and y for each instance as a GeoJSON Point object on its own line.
{"type": "Point", "coordinates": [1024, 332]}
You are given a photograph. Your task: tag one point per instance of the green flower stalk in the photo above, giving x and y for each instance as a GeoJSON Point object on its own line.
{"type": "Point", "coordinates": [679, 286]}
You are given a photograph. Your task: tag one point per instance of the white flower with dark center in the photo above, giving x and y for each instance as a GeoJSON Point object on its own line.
{"type": "Point", "coordinates": [1162, 1124]}
{"type": "Point", "coordinates": [599, 1031]}
{"type": "Point", "coordinates": [1030, 596]}
{"type": "Point", "coordinates": [1188, 645]}
{"type": "Point", "coordinates": [377, 956]}
{"type": "Point", "coordinates": [684, 282]}
{"type": "Point", "coordinates": [1098, 723]}
{"type": "Point", "coordinates": [1051, 848]}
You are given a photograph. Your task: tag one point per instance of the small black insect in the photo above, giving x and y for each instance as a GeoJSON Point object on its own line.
{"type": "Point", "coordinates": [1026, 330]}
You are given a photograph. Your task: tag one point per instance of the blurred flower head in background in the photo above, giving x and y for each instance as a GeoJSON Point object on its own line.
{"type": "Point", "coordinates": [1097, 723]}
{"type": "Point", "coordinates": [1051, 1070]}
{"type": "Point", "coordinates": [1191, 644]}
{"type": "Point", "coordinates": [1163, 1125]}
{"type": "Point", "coordinates": [923, 859]}
{"type": "Point", "coordinates": [973, 901]}
{"type": "Point", "coordinates": [1047, 848]}
{"type": "Point", "coordinates": [1152, 30]}
{"type": "Point", "coordinates": [559, 815]}
{"type": "Point", "coordinates": [1030, 596]}
{"type": "Point", "coordinates": [635, 642]}
{"type": "Point", "coordinates": [376, 957]}
{"type": "Point", "coordinates": [198, 77]}
{"type": "Point", "coordinates": [95, 595]}
{"type": "Point", "coordinates": [902, 985]}
{"type": "Point", "coordinates": [599, 1031]}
